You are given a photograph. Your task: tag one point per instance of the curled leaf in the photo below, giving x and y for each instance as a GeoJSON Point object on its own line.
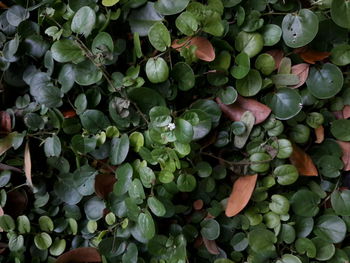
{"type": "Point", "coordinates": [205, 50]}
{"type": "Point", "coordinates": [345, 146]}
{"type": "Point", "coordinates": [319, 132]}
{"type": "Point", "coordinates": [104, 184]}
{"type": "Point", "coordinates": [69, 114]}
{"type": "Point", "coordinates": [302, 71]}
{"type": "Point", "coordinates": [346, 112]}
{"type": "Point", "coordinates": [277, 55]}
{"type": "Point", "coordinates": [80, 255]}
{"type": "Point", "coordinates": [235, 111]}
{"type": "Point", "coordinates": [303, 162]}
{"type": "Point", "coordinates": [242, 190]}
{"type": "Point", "coordinates": [28, 165]}
{"type": "Point", "coordinates": [211, 246]}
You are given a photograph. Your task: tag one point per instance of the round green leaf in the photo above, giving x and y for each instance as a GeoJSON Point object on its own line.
{"type": "Point", "coordinates": [119, 149]}
{"type": "Point", "coordinates": [109, 2]}
{"type": "Point", "coordinates": [7, 223]}
{"type": "Point", "coordinates": [340, 55]}
{"type": "Point", "coordinates": [271, 34]}
{"type": "Point", "coordinates": [210, 229]}
{"type": "Point", "coordinates": [265, 63]}
{"type": "Point", "coordinates": [86, 73]}
{"type": "Point", "coordinates": [340, 12]}
{"type": "Point", "coordinates": [250, 85]}
{"type": "Point", "coordinates": [84, 21]}
{"type": "Point", "coordinates": [305, 203]}
{"type": "Point", "coordinates": [279, 204]}
{"type": "Point", "coordinates": [159, 36]}
{"type": "Point", "coordinates": [285, 103]}
{"type": "Point", "coordinates": [146, 225]}
{"type": "Point", "coordinates": [330, 228]}
{"type": "Point", "coordinates": [16, 14]}
{"type": "Point", "coordinates": [340, 129]}
{"type": "Point", "coordinates": [42, 241]}
{"type": "Point", "coordinates": [341, 202]}
{"type": "Point", "coordinates": [52, 146]}
{"type": "Point", "coordinates": [170, 7]}
{"type": "Point", "coordinates": [183, 131]}
{"type": "Point", "coordinates": [16, 243]}
{"type": "Point", "coordinates": [66, 50]}
{"type": "Point", "coordinates": [289, 258]}
{"type": "Point", "coordinates": [300, 28]}
{"type": "Point", "coordinates": [241, 67]}
{"type": "Point", "coordinates": [94, 208]}
{"type": "Point", "coordinates": [187, 23]}
{"type": "Point", "coordinates": [262, 240]}
{"type": "Point", "coordinates": [324, 250]}
{"type": "Point", "coordinates": [305, 246]}
{"type": "Point", "coordinates": [46, 223]}
{"type": "Point", "coordinates": [250, 43]}
{"type": "Point", "coordinates": [23, 224]}
{"type": "Point", "coordinates": [58, 247]}
{"type": "Point", "coordinates": [184, 76]}
{"type": "Point", "coordinates": [157, 70]}
{"type": "Point", "coordinates": [228, 95]}
{"type": "Point", "coordinates": [102, 41]}
{"type": "Point", "coordinates": [325, 82]}
{"type": "Point", "coordinates": [286, 174]}
{"type": "Point", "coordinates": [94, 120]}
{"type": "Point", "coordinates": [260, 162]}
{"type": "Point", "coordinates": [186, 182]}
{"type": "Point", "coordinates": [156, 206]}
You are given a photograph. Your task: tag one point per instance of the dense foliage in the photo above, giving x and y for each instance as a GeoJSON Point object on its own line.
{"type": "Point", "coordinates": [175, 131]}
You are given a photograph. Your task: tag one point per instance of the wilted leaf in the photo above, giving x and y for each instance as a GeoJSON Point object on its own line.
{"type": "Point", "coordinates": [319, 132]}
{"type": "Point", "coordinates": [302, 71]}
{"type": "Point", "coordinates": [211, 246]}
{"type": "Point", "coordinates": [5, 122]}
{"type": "Point", "coordinates": [242, 190]}
{"type": "Point", "coordinates": [277, 55]}
{"type": "Point", "coordinates": [345, 146]}
{"type": "Point", "coordinates": [311, 56]}
{"type": "Point", "coordinates": [205, 50]}
{"type": "Point", "coordinates": [104, 184]}
{"type": "Point", "coordinates": [346, 112]}
{"type": "Point", "coordinates": [80, 255]}
{"type": "Point", "coordinates": [302, 161]}
{"type": "Point", "coordinates": [235, 111]}
{"type": "Point", "coordinates": [28, 165]}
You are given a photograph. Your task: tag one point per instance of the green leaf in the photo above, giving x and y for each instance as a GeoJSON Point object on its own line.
{"type": "Point", "coordinates": [83, 144]}
{"type": "Point", "coordinates": [156, 206]}
{"type": "Point", "coordinates": [299, 29]}
{"type": "Point", "coordinates": [86, 73]}
{"type": "Point", "coordinates": [262, 240]}
{"type": "Point", "coordinates": [109, 3]}
{"type": "Point", "coordinates": [84, 21]}
{"type": "Point", "coordinates": [102, 41]}
{"type": "Point", "coordinates": [66, 77]}
{"type": "Point", "coordinates": [143, 18]}
{"type": "Point", "coordinates": [159, 36]}
{"type": "Point", "coordinates": [285, 103]}
{"type": "Point", "coordinates": [46, 224]}
{"type": "Point", "coordinates": [184, 76]}
{"type": "Point", "coordinates": [42, 241]}
{"type": "Point", "coordinates": [340, 55]}
{"type": "Point", "coordinates": [271, 34]}
{"type": "Point", "coordinates": [286, 174]}
{"type": "Point", "coordinates": [157, 70]}
{"type": "Point", "coordinates": [160, 116]}
{"type": "Point", "coordinates": [249, 43]}
{"type": "Point", "coordinates": [16, 14]}
{"type": "Point", "coordinates": [279, 205]}
{"type": "Point", "coordinates": [58, 247]}
{"type": "Point", "coordinates": [305, 246]}
{"type": "Point", "coordinates": [340, 13]}
{"type": "Point", "coordinates": [147, 176]}
{"type": "Point", "coordinates": [210, 229]}
{"type": "Point", "coordinates": [131, 254]}
{"type": "Point", "coordinates": [16, 243]}
{"type": "Point", "coordinates": [146, 98]}
{"type": "Point", "coordinates": [187, 23]}
{"type": "Point", "coordinates": [305, 203]}
{"type": "Point", "coordinates": [186, 182]}
{"type": "Point", "coordinates": [340, 129]}
{"type": "Point", "coordinates": [248, 119]}
{"type": "Point", "coordinates": [330, 228]}
{"type": "Point", "coordinates": [146, 225]}
{"type": "Point", "coordinates": [80, 103]}
{"type": "Point", "coordinates": [324, 250]}
{"type": "Point", "coordinates": [289, 258]}
{"type": "Point", "coordinates": [136, 190]}
{"type": "Point", "coordinates": [7, 223]}
{"type": "Point", "coordinates": [94, 208]}
{"type": "Point", "coordinates": [265, 63]}
{"type": "Point", "coordinates": [325, 82]}
{"type": "Point", "coordinates": [170, 7]}
{"type": "Point", "coordinates": [241, 67]}
{"type": "Point", "coordinates": [119, 149]}
{"type": "Point", "coordinates": [52, 146]}
{"type": "Point", "coordinates": [137, 141]}
{"type": "Point", "coordinates": [66, 50]}
{"type": "Point", "coordinates": [94, 120]}
{"type": "Point", "coordinates": [228, 95]}
{"type": "Point", "coordinates": [250, 85]}
{"type": "Point", "coordinates": [183, 131]}
{"type": "Point", "coordinates": [340, 201]}
{"type": "Point", "coordinates": [124, 175]}
{"type": "Point", "coordinates": [23, 224]}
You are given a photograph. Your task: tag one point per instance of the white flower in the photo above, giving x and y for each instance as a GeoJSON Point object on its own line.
{"type": "Point", "coordinates": [171, 126]}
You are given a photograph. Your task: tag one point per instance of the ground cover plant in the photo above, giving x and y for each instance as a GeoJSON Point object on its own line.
{"type": "Point", "coordinates": [175, 131]}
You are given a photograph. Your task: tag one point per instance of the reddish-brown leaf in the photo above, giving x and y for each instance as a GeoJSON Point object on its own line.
{"type": "Point", "coordinates": [5, 122]}
{"type": "Point", "coordinates": [241, 105]}
{"type": "Point", "coordinates": [346, 112]}
{"type": "Point", "coordinates": [319, 132]}
{"type": "Point", "coordinates": [80, 255]}
{"type": "Point", "coordinates": [303, 162]}
{"type": "Point", "coordinates": [302, 71]}
{"type": "Point", "coordinates": [28, 165]}
{"type": "Point", "coordinates": [16, 203]}
{"type": "Point", "coordinates": [104, 184]}
{"type": "Point", "coordinates": [198, 204]}
{"type": "Point", "coordinates": [1, 214]}
{"type": "Point", "coordinates": [211, 246]}
{"type": "Point", "coordinates": [277, 55]}
{"type": "Point", "coordinates": [242, 190]}
{"type": "Point", "coordinates": [311, 56]}
{"type": "Point", "coordinates": [3, 6]}
{"type": "Point", "coordinates": [205, 50]}
{"type": "Point", "coordinates": [338, 114]}
{"type": "Point", "coordinates": [69, 114]}
{"type": "Point", "coordinates": [345, 146]}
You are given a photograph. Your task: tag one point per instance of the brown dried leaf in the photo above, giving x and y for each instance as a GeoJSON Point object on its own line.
{"type": "Point", "coordinates": [302, 71]}
{"type": "Point", "coordinates": [303, 162]}
{"type": "Point", "coordinates": [346, 112]}
{"type": "Point", "coordinates": [319, 132]}
{"type": "Point", "coordinates": [345, 146]}
{"type": "Point", "coordinates": [104, 184]}
{"type": "Point", "coordinates": [235, 111]}
{"type": "Point", "coordinates": [28, 165]}
{"type": "Point", "coordinates": [198, 204]}
{"type": "Point", "coordinates": [205, 50]}
{"type": "Point", "coordinates": [80, 255]}
{"type": "Point", "coordinates": [5, 122]}
{"type": "Point", "coordinates": [242, 190]}
{"type": "Point", "coordinates": [311, 56]}
{"type": "Point", "coordinates": [211, 246]}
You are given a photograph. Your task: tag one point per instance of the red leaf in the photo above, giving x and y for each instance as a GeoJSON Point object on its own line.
{"type": "Point", "coordinates": [311, 56]}
{"type": "Point", "coordinates": [205, 50]}
{"type": "Point", "coordinates": [302, 71]}
{"type": "Point", "coordinates": [346, 112]}
{"type": "Point", "coordinates": [5, 122]}
{"type": "Point", "coordinates": [80, 255]}
{"type": "Point", "coordinates": [1, 214]}
{"type": "Point", "coordinates": [104, 184]}
{"type": "Point", "coordinates": [211, 246]}
{"type": "Point", "coordinates": [345, 146]}
{"type": "Point", "coordinates": [277, 55]}
{"type": "Point", "coordinates": [303, 162]}
{"type": "Point", "coordinates": [28, 165]}
{"type": "Point", "coordinates": [242, 190]}
{"type": "Point", "coordinates": [319, 132]}
{"type": "Point", "coordinates": [69, 114]}
{"type": "Point", "coordinates": [236, 110]}
{"type": "Point", "coordinates": [198, 204]}
{"type": "Point", "coordinates": [338, 114]}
